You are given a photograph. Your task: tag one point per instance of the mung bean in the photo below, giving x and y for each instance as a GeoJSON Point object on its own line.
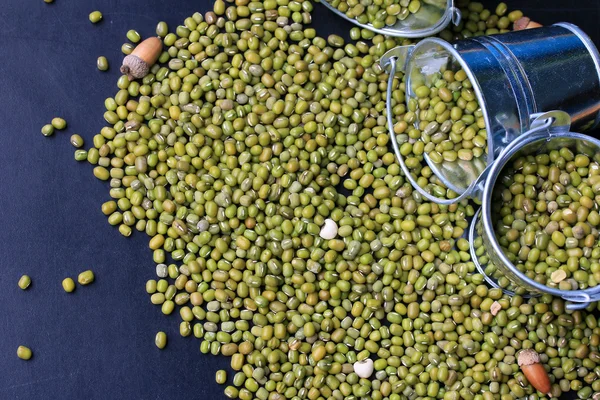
{"type": "Point", "coordinates": [68, 285]}
{"type": "Point", "coordinates": [133, 36]}
{"type": "Point", "coordinates": [95, 17]}
{"type": "Point", "coordinates": [102, 63]}
{"type": "Point", "coordinates": [24, 282]}
{"type": "Point", "coordinates": [221, 377]}
{"type": "Point", "coordinates": [160, 340]}
{"type": "Point", "coordinates": [48, 130]}
{"type": "Point", "coordinates": [86, 277]}
{"type": "Point", "coordinates": [76, 141]}
{"type": "Point", "coordinates": [24, 353]}
{"type": "Point", "coordinates": [59, 123]}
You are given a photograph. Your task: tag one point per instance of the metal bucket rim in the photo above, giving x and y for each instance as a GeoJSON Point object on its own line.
{"type": "Point", "coordinates": [478, 93]}
{"type": "Point", "coordinates": [475, 259]}
{"type": "Point", "coordinates": [439, 26]}
{"type": "Point", "coordinates": [486, 205]}
{"type": "Point", "coordinates": [592, 49]}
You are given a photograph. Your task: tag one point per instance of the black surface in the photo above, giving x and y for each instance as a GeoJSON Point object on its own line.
{"type": "Point", "coordinates": [96, 343]}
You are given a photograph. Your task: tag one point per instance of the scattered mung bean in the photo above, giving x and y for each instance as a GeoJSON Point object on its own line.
{"type": "Point", "coordinates": [24, 282]}
{"type": "Point", "coordinates": [86, 277]}
{"type": "Point", "coordinates": [102, 63]}
{"type": "Point", "coordinates": [68, 285]}
{"type": "Point", "coordinates": [160, 340]}
{"type": "Point", "coordinates": [133, 36]}
{"type": "Point", "coordinates": [48, 130]}
{"type": "Point", "coordinates": [95, 17]}
{"type": "Point", "coordinates": [59, 123]}
{"type": "Point", "coordinates": [24, 353]}
{"type": "Point", "coordinates": [76, 140]}
{"type": "Point", "coordinates": [221, 377]}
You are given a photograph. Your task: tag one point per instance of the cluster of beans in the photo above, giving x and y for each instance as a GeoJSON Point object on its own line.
{"type": "Point", "coordinates": [450, 118]}
{"type": "Point", "coordinates": [547, 221]}
{"type": "Point", "coordinates": [229, 155]}
{"type": "Point", "coordinates": [378, 13]}
{"type": "Point", "coordinates": [477, 20]}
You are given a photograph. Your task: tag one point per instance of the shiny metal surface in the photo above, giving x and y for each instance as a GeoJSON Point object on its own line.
{"type": "Point", "coordinates": [432, 18]}
{"type": "Point", "coordinates": [589, 44]}
{"type": "Point", "coordinates": [400, 54]}
{"type": "Point", "coordinates": [514, 75]}
{"type": "Point", "coordinates": [540, 141]}
{"type": "Point", "coordinates": [559, 66]}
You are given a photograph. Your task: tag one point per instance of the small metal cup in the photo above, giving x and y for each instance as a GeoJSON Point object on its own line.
{"type": "Point", "coordinates": [432, 18]}
{"type": "Point", "coordinates": [514, 75]}
{"type": "Point", "coordinates": [551, 131]}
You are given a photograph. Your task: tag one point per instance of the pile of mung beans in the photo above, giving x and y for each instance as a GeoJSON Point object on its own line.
{"type": "Point", "coordinates": [232, 154]}
{"type": "Point", "coordinates": [547, 220]}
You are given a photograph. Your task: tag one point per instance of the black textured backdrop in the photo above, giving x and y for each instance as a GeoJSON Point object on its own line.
{"type": "Point", "coordinates": [98, 342]}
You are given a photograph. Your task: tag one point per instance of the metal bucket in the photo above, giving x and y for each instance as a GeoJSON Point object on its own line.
{"type": "Point", "coordinates": [514, 76]}
{"type": "Point", "coordinates": [432, 18]}
{"type": "Point", "coordinates": [551, 132]}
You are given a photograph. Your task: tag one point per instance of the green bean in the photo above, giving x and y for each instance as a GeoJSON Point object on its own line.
{"type": "Point", "coordinates": [86, 277]}
{"type": "Point", "coordinates": [127, 48]}
{"type": "Point", "coordinates": [95, 17]}
{"type": "Point", "coordinates": [48, 130]}
{"type": "Point", "coordinates": [221, 376]}
{"type": "Point", "coordinates": [59, 123]}
{"type": "Point", "coordinates": [68, 285]}
{"type": "Point", "coordinates": [162, 29]}
{"type": "Point", "coordinates": [160, 340]}
{"type": "Point", "coordinates": [102, 63]}
{"type": "Point", "coordinates": [133, 36]}
{"type": "Point", "coordinates": [24, 282]}
{"type": "Point", "coordinates": [101, 173]}
{"type": "Point", "coordinates": [76, 141]}
{"type": "Point", "coordinates": [24, 353]}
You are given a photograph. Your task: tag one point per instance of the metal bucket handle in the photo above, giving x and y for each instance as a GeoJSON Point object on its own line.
{"type": "Point", "coordinates": [391, 59]}
{"type": "Point", "coordinates": [544, 125]}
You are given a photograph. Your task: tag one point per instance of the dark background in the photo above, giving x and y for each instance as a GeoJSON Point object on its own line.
{"type": "Point", "coordinates": [97, 343]}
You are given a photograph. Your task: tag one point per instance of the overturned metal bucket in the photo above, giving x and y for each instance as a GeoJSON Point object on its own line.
{"type": "Point", "coordinates": [514, 76]}
{"type": "Point", "coordinates": [551, 131]}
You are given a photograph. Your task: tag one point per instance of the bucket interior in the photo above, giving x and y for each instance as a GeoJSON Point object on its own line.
{"type": "Point", "coordinates": [449, 111]}
{"type": "Point", "coordinates": [503, 255]}
{"type": "Point", "coordinates": [431, 17]}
